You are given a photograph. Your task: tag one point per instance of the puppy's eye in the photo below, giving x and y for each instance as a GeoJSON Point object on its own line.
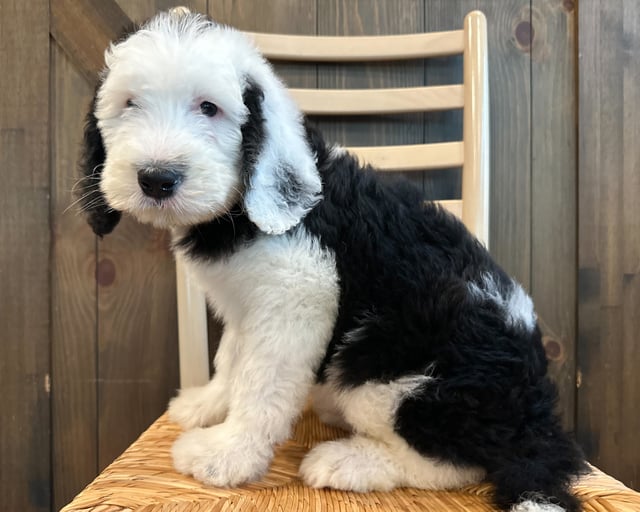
{"type": "Point", "coordinates": [131, 104]}
{"type": "Point", "coordinates": [208, 108]}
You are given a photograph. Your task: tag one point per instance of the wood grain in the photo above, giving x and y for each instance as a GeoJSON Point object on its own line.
{"type": "Point", "coordinates": [630, 389]}
{"type": "Point", "coordinates": [554, 190]}
{"type": "Point", "coordinates": [24, 256]}
{"type": "Point", "coordinates": [609, 289]}
{"type": "Point", "coordinates": [444, 126]}
{"type": "Point", "coordinates": [141, 10]}
{"type": "Point", "coordinates": [84, 28]}
{"type": "Point", "coordinates": [509, 23]}
{"type": "Point", "coordinates": [137, 334]}
{"type": "Point", "coordinates": [510, 122]}
{"type": "Point", "coordinates": [74, 322]}
{"type": "Point", "coordinates": [260, 16]}
{"type": "Point", "coordinates": [336, 17]}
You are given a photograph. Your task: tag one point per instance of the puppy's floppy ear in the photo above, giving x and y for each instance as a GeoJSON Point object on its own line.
{"type": "Point", "coordinates": [100, 216]}
{"type": "Point", "coordinates": [281, 178]}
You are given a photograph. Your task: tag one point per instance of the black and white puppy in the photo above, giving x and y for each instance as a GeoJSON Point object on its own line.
{"type": "Point", "coordinates": [329, 281]}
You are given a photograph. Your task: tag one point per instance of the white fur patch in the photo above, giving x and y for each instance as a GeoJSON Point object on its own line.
{"type": "Point", "coordinates": [376, 458]}
{"type": "Point", "coordinates": [516, 304]}
{"type": "Point", "coordinates": [370, 408]}
{"type": "Point", "coordinates": [279, 299]}
{"type": "Point", "coordinates": [337, 151]}
{"type": "Point", "coordinates": [364, 464]}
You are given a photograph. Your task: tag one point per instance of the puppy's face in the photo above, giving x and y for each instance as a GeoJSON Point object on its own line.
{"type": "Point", "coordinates": [170, 112]}
{"type": "Point", "coordinates": [188, 121]}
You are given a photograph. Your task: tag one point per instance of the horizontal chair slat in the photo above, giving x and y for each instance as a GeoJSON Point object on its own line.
{"type": "Point", "coordinates": [453, 206]}
{"type": "Point", "coordinates": [379, 101]}
{"type": "Point", "coordinates": [412, 157]}
{"type": "Point", "coordinates": [359, 48]}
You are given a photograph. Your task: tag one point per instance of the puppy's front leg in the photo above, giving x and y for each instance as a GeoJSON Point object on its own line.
{"type": "Point", "coordinates": [275, 371]}
{"type": "Point", "coordinates": [279, 296]}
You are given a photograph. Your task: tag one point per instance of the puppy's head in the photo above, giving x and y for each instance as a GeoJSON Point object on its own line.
{"type": "Point", "coordinates": [188, 121]}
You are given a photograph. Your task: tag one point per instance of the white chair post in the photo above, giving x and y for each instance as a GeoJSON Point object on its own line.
{"type": "Point", "coordinates": [475, 171]}
{"type": "Point", "coordinates": [193, 342]}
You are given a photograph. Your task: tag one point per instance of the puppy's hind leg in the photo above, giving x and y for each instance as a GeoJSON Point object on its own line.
{"type": "Point", "coordinates": [364, 464]}
{"type": "Point", "coordinates": [376, 458]}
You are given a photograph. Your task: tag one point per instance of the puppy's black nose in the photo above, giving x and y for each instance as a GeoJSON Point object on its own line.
{"type": "Point", "coordinates": [159, 183]}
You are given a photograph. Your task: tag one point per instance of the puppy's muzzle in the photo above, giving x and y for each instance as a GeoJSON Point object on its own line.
{"type": "Point", "coordinates": [159, 182]}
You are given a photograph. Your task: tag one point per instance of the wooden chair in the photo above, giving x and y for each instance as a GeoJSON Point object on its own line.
{"type": "Point", "coordinates": [143, 478]}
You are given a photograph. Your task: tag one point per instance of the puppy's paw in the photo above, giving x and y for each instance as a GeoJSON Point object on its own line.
{"type": "Point", "coordinates": [347, 465]}
{"type": "Point", "coordinates": [222, 456]}
{"type": "Point", "coordinates": [196, 407]}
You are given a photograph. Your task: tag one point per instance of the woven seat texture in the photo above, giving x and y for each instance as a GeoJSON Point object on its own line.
{"type": "Point", "coordinates": [142, 479]}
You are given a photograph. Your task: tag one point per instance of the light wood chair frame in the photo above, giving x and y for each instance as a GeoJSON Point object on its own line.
{"type": "Point", "coordinates": [472, 153]}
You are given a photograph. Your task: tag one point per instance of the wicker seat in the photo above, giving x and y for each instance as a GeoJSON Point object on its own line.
{"type": "Point", "coordinates": [142, 479]}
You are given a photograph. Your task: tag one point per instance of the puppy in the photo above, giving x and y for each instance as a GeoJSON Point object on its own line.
{"type": "Point", "coordinates": [329, 281]}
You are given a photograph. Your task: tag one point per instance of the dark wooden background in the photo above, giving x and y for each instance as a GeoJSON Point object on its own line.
{"type": "Point", "coordinates": [88, 351]}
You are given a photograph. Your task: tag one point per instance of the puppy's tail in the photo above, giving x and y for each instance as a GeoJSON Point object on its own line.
{"type": "Point", "coordinates": [537, 477]}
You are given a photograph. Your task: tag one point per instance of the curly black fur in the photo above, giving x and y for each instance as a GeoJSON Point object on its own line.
{"type": "Point", "coordinates": [219, 237]}
{"type": "Point", "coordinates": [404, 269]}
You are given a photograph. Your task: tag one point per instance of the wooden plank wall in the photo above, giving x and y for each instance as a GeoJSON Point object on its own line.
{"type": "Point", "coordinates": [24, 256]}
{"type": "Point", "coordinates": [106, 309]}
{"type": "Point", "coordinates": [74, 319]}
{"type": "Point", "coordinates": [609, 234]}
{"type": "Point", "coordinates": [553, 188]}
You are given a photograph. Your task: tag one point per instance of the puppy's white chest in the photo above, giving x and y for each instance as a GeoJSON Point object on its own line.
{"type": "Point", "coordinates": [291, 272]}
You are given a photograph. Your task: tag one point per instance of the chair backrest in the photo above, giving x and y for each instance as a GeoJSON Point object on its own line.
{"type": "Point", "coordinates": [471, 153]}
